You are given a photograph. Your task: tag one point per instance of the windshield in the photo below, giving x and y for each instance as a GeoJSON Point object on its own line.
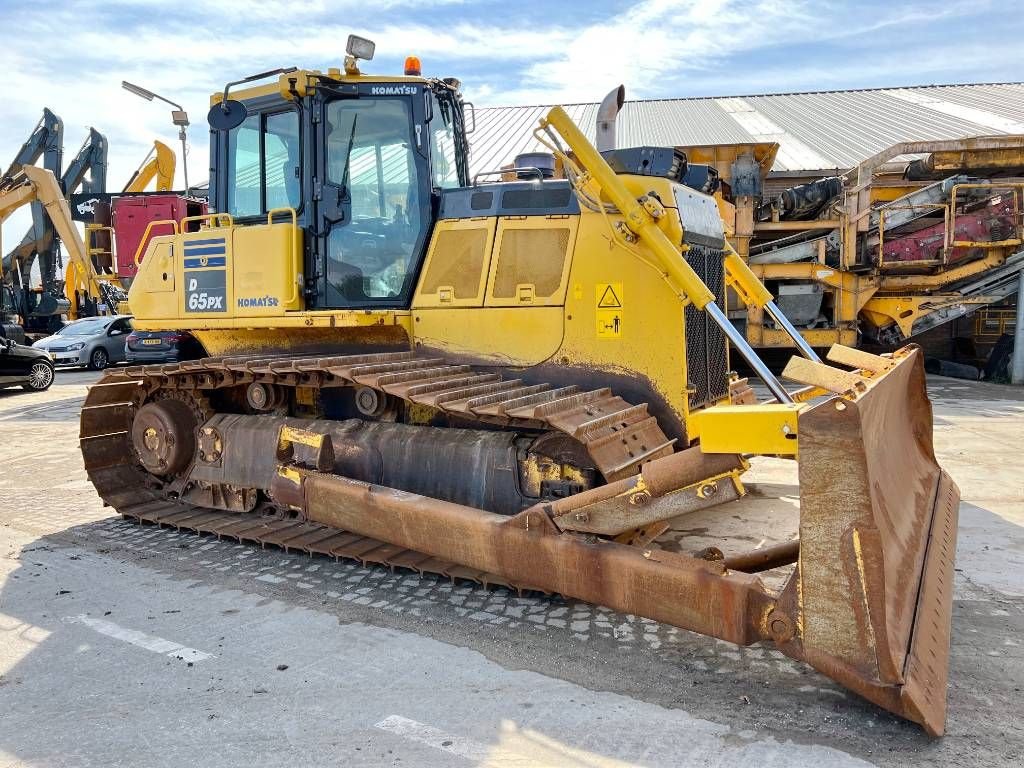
{"type": "Point", "coordinates": [371, 158]}
{"type": "Point", "coordinates": [84, 328]}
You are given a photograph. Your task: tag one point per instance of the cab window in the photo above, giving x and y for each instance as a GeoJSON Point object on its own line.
{"type": "Point", "coordinates": [263, 164]}
{"type": "Point", "coordinates": [443, 168]}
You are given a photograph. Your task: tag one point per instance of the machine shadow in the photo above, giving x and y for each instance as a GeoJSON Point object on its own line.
{"type": "Point", "coordinates": [666, 666]}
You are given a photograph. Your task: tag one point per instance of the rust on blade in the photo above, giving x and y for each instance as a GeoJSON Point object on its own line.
{"type": "Point", "coordinates": [529, 549]}
{"type": "Point", "coordinates": [924, 693]}
{"type": "Point", "coordinates": [764, 559]}
{"type": "Point", "coordinates": [859, 359]}
{"type": "Point", "coordinates": [665, 488]}
{"type": "Point", "coordinates": [821, 376]}
{"type": "Point", "coordinates": [871, 493]}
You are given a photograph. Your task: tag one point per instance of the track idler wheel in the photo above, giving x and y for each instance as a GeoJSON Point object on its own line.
{"type": "Point", "coordinates": [263, 397]}
{"type": "Point", "coordinates": [164, 436]}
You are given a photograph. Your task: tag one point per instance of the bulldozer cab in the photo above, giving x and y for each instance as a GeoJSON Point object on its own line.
{"type": "Point", "coordinates": [362, 164]}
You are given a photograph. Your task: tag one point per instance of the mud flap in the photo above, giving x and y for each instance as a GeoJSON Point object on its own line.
{"type": "Point", "coordinates": [878, 521]}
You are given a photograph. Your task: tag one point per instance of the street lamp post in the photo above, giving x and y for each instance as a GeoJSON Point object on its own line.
{"type": "Point", "coordinates": [178, 116]}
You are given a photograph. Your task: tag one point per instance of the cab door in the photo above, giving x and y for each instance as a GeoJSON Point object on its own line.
{"type": "Point", "coordinates": [372, 195]}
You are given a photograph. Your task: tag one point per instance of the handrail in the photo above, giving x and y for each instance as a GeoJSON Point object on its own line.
{"type": "Point", "coordinates": [532, 170]}
{"type": "Point", "coordinates": [212, 218]}
{"type": "Point", "coordinates": [916, 206]}
{"type": "Point", "coordinates": [145, 236]}
{"type": "Point", "coordinates": [296, 255]}
{"type": "Point", "coordinates": [1015, 188]}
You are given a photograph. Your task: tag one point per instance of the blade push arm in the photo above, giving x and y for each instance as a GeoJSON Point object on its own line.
{"type": "Point", "coordinates": [641, 218]}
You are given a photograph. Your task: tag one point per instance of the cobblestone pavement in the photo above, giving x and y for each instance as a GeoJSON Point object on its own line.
{"type": "Point", "coordinates": [399, 657]}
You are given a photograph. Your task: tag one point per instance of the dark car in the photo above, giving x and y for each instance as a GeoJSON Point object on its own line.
{"type": "Point", "coordinates": [161, 347]}
{"type": "Point", "coordinates": [31, 368]}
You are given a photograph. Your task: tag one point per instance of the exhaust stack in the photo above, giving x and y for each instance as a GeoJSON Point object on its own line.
{"type": "Point", "coordinates": [607, 114]}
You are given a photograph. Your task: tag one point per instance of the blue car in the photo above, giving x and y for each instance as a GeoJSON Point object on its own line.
{"type": "Point", "coordinates": [144, 347]}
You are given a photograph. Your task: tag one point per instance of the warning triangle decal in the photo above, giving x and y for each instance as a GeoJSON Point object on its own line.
{"type": "Point", "coordinates": [609, 300]}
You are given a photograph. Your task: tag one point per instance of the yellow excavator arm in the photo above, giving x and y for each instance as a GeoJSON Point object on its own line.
{"type": "Point", "coordinates": [159, 164]}
{"type": "Point", "coordinates": [40, 185]}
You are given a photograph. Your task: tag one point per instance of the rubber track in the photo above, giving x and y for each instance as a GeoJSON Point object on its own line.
{"type": "Point", "coordinates": [619, 437]}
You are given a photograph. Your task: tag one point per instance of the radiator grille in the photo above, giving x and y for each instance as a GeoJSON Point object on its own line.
{"type": "Point", "coordinates": [706, 356]}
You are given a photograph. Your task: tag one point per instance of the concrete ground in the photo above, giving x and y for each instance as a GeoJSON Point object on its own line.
{"type": "Point", "coordinates": [122, 645]}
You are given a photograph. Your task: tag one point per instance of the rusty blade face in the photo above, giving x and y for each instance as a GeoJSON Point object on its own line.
{"type": "Point", "coordinates": [529, 550]}
{"type": "Point", "coordinates": [877, 535]}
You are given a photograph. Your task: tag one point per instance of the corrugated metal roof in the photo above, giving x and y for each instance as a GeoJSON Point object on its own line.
{"type": "Point", "coordinates": [817, 131]}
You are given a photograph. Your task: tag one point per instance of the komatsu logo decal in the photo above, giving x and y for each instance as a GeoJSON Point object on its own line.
{"type": "Point", "coordinates": [392, 90]}
{"type": "Point", "coordinates": [258, 301]}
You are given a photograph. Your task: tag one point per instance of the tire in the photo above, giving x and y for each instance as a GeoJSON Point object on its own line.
{"type": "Point", "coordinates": [98, 359]}
{"type": "Point", "coordinates": [40, 377]}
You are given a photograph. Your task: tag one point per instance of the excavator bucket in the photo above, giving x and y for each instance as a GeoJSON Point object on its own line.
{"type": "Point", "coordinates": [873, 587]}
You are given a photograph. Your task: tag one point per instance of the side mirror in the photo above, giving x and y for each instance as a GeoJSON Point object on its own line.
{"type": "Point", "coordinates": [226, 115]}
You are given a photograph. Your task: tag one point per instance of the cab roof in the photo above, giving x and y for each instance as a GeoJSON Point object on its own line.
{"type": "Point", "coordinates": [283, 83]}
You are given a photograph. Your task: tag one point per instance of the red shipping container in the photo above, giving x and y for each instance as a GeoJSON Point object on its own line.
{"type": "Point", "coordinates": [132, 214]}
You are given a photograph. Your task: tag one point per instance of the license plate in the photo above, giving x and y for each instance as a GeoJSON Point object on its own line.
{"type": "Point", "coordinates": [153, 342]}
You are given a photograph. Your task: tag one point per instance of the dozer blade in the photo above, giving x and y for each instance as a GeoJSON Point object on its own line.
{"type": "Point", "coordinates": [874, 585]}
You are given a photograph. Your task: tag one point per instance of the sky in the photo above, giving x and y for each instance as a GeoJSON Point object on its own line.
{"type": "Point", "coordinates": [72, 58]}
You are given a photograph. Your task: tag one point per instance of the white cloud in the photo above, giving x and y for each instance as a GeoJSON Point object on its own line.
{"type": "Point", "coordinates": [658, 48]}
{"type": "Point", "coordinates": [673, 48]}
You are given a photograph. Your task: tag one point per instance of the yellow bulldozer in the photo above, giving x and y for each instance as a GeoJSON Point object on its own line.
{"type": "Point", "coordinates": [516, 382]}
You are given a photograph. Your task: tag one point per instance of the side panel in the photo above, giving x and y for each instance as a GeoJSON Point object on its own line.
{"type": "Point", "coordinates": [486, 298]}
{"type": "Point", "coordinates": [152, 295]}
{"type": "Point", "coordinates": [531, 260]}
{"type": "Point", "coordinates": [197, 276]}
{"type": "Point", "coordinates": [457, 265]}
{"type": "Point", "coordinates": [514, 336]}
{"type": "Point", "coordinates": [574, 303]}
{"type": "Point", "coordinates": [621, 317]}
{"type": "Point", "coordinates": [267, 270]}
